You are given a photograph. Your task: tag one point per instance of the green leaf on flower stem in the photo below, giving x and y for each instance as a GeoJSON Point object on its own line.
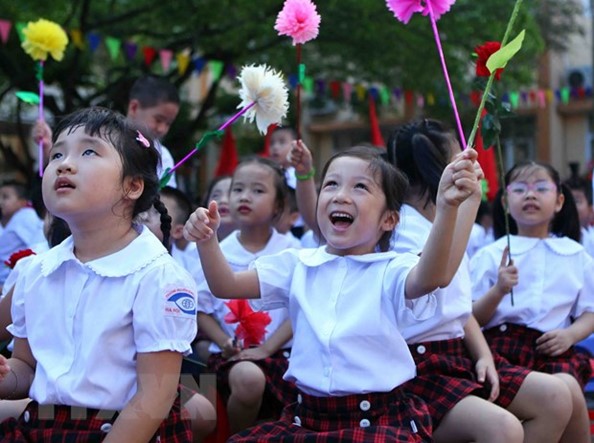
{"type": "Point", "coordinates": [28, 97]}
{"type": "Point", "coordinates": [491, 127]}
{"type": "Point", "coordinates": [499, 59]}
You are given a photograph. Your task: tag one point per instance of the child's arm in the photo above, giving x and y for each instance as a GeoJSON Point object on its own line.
{"type": "Point", "coordinates": [481, 353]}
{"type": "Point", "coordinates": [458, 182]}
{"type": "Point", "coordinates": [306, 194]}
{"type": "Point", "coordinates": [557, 341]}
{"type": "Point", "coordinates": [484, 308]}
{"type": "Point", "coordinates": [283, 334]}
{"type": "Point", "coordinates": [201, 228]}
{"type": "Point", "coordinates": [5, 317]}
{"type": "Point", "coordinates": [158, 378]}
{"type": "Point", "coordinates": [212, 329]}
{"type": "Point", "coordinates": [16, 373]}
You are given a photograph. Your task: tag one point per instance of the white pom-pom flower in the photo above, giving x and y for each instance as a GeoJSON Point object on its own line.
{"type": "Point", "coordinates": [264, 91]}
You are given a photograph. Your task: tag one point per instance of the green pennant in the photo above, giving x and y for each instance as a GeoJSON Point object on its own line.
{"type": "Point", "coordinates": [216, 68]}
{"type": "Point", "coordinates": [19, 28]}
{"type": "Point", "coordinates": [113, 46]}
{"type": "Point", "coordinates": [308, 84]}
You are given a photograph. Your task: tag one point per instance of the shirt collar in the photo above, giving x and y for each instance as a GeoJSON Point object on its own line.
{"type": "Point", "coordinates": [319, 256]}
{"type": "Point", "coordinates": [558, 245]}
{"type": "Point", "coordinates": [139, 253]}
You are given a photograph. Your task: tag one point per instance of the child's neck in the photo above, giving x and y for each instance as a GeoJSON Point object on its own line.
{"type": "Point", "coordinates": [255, 238]}
{"type": "Point", "coordinates": [426, 209]}
{"type": "Point", "coordinates": [93, 242]}
{"type": "Point", "coordinates": [534, 231]}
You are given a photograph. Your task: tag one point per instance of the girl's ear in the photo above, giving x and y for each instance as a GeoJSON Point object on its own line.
{"type": "Point", "coordinates": [560, 201]}
{"type": "Point", "coordinates": [133, 187]}
{"type": "Point", "coordinates": [389, 220]}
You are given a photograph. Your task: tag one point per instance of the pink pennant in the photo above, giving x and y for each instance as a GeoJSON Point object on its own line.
{"type": "Point", "coordinates": [5, 26]}
{"type": "Point", "coordinates": [165, 55]}
{"type": "Point", "coordinates": [542, 99]}
{"type": "Point", "coordinates": [347, 90]}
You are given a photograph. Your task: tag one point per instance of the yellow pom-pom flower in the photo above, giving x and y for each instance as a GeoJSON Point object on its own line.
{"type": "Point", "coordinates": [43, 37]}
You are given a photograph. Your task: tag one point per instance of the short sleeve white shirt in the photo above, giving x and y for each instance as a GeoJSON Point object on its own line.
{"type": "Point", "coordinates": [24, 230]}
{"type": "Point", "coordinates": [239, 260]}
{"type": "Point", "coordinates": [555, 281]}
{"type": "Point", "coordinates": [452, 304]}
{"type": "Point", "coordinates": [188, 258]}
{"type": "Point", "coordinates": [344, 314]}
{"type": "Point", "coordinates": [87, 322]}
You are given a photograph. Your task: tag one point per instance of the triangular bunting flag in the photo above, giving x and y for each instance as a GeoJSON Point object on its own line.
{"type": "Point", "coordinates": [183, 60]}
{"type": "Point", "coordinates": [376, 134]}
{"type": "Point", "coordinates": [94, 39]}
{"type": "Point", "coordinates": [216, 69]}
{"type": "Point", "coordinates": [165, 55]}
{"type": "Point", "coordinates": [229, 158]}
{"type": "Point", "coordinates": [130, 49]}
{"type": "Point", "coordinates": [199, 64]}
{"type": "Point", "coordinates": [5, 26]}
{"type": "Point", "coordinates": [19, 28]}
{"type": "Point", "coordinates": [113, 47]}
{"type": "Point", "coordinates": [77, 38]}
{"type": "Point", "coordinates": [149, 53]}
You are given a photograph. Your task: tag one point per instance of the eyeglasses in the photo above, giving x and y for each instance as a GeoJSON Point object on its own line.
{"type": "Point", "coordinates": [539, 187]}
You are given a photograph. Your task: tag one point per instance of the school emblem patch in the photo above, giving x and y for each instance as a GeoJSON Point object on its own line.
{"type": "Point", "coordinates": [180, 303]}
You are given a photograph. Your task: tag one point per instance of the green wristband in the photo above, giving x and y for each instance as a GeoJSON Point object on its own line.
{"type": "Point", "coordinates": [307, 176]}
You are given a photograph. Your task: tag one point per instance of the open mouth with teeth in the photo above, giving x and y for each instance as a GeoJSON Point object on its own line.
{"type": "Point", "coordinates": [341, 219]}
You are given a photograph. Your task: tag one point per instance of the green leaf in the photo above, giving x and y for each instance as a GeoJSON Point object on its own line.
{"type": "Point", "coordinates": [499, 59]}
{"type": "Point", "coordinates": [28, 97]}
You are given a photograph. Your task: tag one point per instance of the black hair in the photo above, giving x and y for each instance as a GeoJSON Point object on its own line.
{"type": "Point", "coordinates": [20, 188]}
{"type": "Point", "coordinates": [211, 186]}
{"type": "Point", "coordinates": [138, 160]}
{"type": "Point", "coordinates": [182, 201]}
{"type": "Point", "coordinates": [565, 223]}
{"type": "Point", "coordinates": [393, 183]}
{"type": "Point", "coordinates": [151, 90]}
{"type": "Point", "coordinates": [577, 183]}
{"type": "Point", "coordinates": [58, 231]}
{"type": "Point", "coordinates": [421, 150]}
{"type": "Point", "coordinates": [484, 209]}
{"type": "Point", "coordinates": [290, 129]}
{"type": "Point", "coordinates": [280, 182]}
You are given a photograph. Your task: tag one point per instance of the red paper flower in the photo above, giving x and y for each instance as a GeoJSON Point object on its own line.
{"type": "Point", "coordinates": [252, 325]}
{"type": "Point", "coordinates": [16, 256]}
{"type": "Point", "coordinates": [484, 52]}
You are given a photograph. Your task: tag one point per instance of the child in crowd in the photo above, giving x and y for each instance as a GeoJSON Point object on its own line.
{"type": "Point", "coordinates": [346, 300]}
{"type": "Point", "coordinates": [22, 228]}
{"type": "Point", "coordinates": [249, 378]}
{"type": "Point", "coordinates": [118, 354]}
{"type": "Point", "coordinates": [581, 190]}
{"type": "Point", "coordinates": [153, 105]}
{"type": "Point", "coordinates": [552, 304]}
{"type": "Point", "coordinates": [465, 386]}
{"type": "Point", "coordinates": [218, 190]}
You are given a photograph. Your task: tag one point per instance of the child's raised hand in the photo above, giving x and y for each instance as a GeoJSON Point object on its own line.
{"type": "Point", "coordinates": [42, 133]}
{"type": "Point", "coordinates": [554, 343]}
{"type": "Point", "coordinates": [507, 275]}
{"type": "Point", "coordinates": [300, 157]}
{"type": "Point", "coordinates": [203, 224]}
{"type": "Point", "coordinates": [460, 179]}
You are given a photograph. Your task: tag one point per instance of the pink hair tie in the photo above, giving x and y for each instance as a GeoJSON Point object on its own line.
{"type": "Point", "coordinates": [142, 140]}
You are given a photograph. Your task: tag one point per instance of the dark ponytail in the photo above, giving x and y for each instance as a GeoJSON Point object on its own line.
{"type": "Point", "coordinates": [165, 221]}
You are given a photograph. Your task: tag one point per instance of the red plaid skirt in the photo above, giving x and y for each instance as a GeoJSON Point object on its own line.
{"type": "Point", "coordinates": [278, 392]}
{"type": "Point", "coordinates": [518, 344]}
{"type": "Point", "coordinates": [378, 417]}
{"type": "Point", "coordinates": [49, 424]}
{"type": "Point", "coordinates": [446, 374]}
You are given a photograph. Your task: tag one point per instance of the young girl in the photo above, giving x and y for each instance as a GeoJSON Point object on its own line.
{"type": "Point", "coordinates": [345, 301]}
{"type": "Point", "coordinates": [218, 190]}
{"type": "Point", "coordinates": [252, 377]}
{"type": "Point", "coordinates": [120, 311]}
{"type": "Point", "coordinates": [553, 285]}
{"type": "Point", "coordinates": [464, 385]}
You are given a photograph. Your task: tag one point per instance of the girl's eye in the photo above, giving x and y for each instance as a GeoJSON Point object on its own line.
{"type": "Point", "coordinates": [88, 152]}
{"type": "Point", "coordinates": [329, 183]}
{"type": "Point", "coordinates": [361, 186]}
{"type": "Point", "coordinates": [56, 155]}
{"type": "Point", "coordinates": [236, 190]}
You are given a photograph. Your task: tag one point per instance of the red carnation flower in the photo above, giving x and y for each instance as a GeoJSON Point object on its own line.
{"type": "Point", "coordinates": [252, 325]}
{"type": "Point", "coordinates": [484, 52]}
{"type": "Point", "coordinates": [16, 256]}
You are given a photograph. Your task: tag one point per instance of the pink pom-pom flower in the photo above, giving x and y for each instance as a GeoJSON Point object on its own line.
{"type": "Point", "coordinates": [299, 20]}
{"type": "Point", "coordinates": [404, 9]}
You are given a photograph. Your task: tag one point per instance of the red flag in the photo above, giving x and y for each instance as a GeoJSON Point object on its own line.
{"type": "Point", "coordinates": [376, 135]}
{"type": "Point", "coordinates": [228, 159]}
{"type": "Point", "coordinates": [266, 151]}
{"type": "Point", "coordinates": [486, 158]}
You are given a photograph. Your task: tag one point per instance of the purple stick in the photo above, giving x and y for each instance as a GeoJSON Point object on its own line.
{"type": "Point", "coordinates": [446, 74]}
{"type": "Point", "coordinates": [221, 128]}
{"type": "Point", "coordinates": [41, 117]}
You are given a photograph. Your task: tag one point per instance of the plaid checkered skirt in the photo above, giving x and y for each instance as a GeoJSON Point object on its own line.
{"type": "Point", "coordinates": [446, 374]}
{"type": "Point", "coordinates": [377, 417]}
{"type": "Point", "coordinates": [59, 423]}
{"type": "Point", "coordinates": [278, 392]}
{"type": "Point", "coordinates": [518, 344]}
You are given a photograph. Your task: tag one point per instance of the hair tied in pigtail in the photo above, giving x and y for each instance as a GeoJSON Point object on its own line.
{"type": "Point", "coordinates": [142, 139]}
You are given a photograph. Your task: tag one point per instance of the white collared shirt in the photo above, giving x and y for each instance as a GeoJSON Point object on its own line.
{"type": "Point", "coordinates": [556, 281]}
{"type": "Point", "coordinates": [452, 304]}
{"type": "Point", "coordinates": [188, 258]}
{"type": "Point", "coordinates": [588, 240]}
{"type": "Point", "coordinates": [345, 313]}
{"type": "Point", "coordinates": [24, 230]}
{"type": "Point", "coordinates": [86, 322]}
{"type": "Point", "coordinates": [239, 260]}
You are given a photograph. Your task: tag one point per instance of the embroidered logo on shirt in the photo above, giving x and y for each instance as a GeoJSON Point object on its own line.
{"type": "Point", "coordinates": [180, 304]}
